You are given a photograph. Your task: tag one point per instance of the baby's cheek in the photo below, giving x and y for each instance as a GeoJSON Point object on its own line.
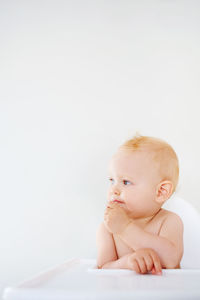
{"type": "Point", "coordinates": [132, 201]}
{"type": "Point", "coordinates": [129, 198]}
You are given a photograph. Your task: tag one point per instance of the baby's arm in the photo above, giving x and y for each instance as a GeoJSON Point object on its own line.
{"type": "Point", "coordinates": [168, 245]}
{"type": "Point", "coordinates": [107, 256]}
{"type": "Point", "coordinates": [141, 261]}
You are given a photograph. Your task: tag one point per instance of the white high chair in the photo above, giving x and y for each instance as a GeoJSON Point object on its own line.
{"type": "Point", "coordinates": [79, 279]}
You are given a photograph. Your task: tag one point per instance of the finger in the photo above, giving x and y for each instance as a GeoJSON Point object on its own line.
{"type": "Point", "coordinates": [142, 265]}
{"type": "Point", "coordinates": [109, 207]}
{"type": "Point", "coordinates": [112, 204]}
{"type": "Point", "coordinates": [157, 264]}
{"type": "Point", "coordinates": [134, 266]}
{"type": "Point", "coordinates": [149, 262]}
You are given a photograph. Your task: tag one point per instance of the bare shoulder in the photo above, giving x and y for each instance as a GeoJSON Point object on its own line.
{"type": "Point", "coordinates": [164, 220]}
{"type": "Point", "coordinates": [173, 218]}
{"type": "Point", "coordinates": [172, 228]}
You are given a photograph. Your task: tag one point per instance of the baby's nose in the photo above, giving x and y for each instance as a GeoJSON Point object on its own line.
{"type": "Point", "coordinates": [116, 190]}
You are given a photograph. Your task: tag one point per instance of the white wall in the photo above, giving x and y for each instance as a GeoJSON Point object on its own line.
{"type": "Point", "coordinates": [77, 79]}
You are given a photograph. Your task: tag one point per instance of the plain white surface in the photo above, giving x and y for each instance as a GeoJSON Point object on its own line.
{"type": "Point", "coordinates": [77, 78]}
{"type": "Point", "coordinates": [78, 280]}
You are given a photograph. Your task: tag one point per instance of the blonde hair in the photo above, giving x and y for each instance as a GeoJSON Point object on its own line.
{"type": "Point", "coordinates": [163, 154]}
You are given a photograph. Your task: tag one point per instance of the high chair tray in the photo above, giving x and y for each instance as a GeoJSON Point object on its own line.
{"type": "Point", "coordinates": [79, 279]}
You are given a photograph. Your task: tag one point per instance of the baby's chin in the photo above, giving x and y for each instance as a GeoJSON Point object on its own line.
{"type": "Point", "coordinates": [132, 213]}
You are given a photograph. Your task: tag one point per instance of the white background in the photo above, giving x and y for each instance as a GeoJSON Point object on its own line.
{"type": "Point", "coordinates": [77, 78]}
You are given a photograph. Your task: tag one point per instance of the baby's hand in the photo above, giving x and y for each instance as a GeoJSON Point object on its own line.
{"type": "Point", "coordinates": [115, 218]}
{"type": "Point", "coordinates": [145, 260]}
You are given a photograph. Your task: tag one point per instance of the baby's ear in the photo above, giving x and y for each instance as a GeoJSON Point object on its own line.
{"type": "Point", "coordinates": [164, 191]}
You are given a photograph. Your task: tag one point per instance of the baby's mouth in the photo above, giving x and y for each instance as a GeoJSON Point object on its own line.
{"type": "Point", "coordinates": [117, 201]}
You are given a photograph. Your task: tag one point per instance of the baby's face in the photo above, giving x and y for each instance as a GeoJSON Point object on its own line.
{"type": "Point", "coordinates": [134, 178]}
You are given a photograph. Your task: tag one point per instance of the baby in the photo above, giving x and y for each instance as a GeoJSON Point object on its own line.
{"type": "Point", "coordinates": [137, 233]}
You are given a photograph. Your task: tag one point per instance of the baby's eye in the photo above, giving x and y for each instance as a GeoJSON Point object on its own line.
{"type": "Point", "coordinates": [126, 182]}
{"type": "Point", "coordinates": [111, 180]}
